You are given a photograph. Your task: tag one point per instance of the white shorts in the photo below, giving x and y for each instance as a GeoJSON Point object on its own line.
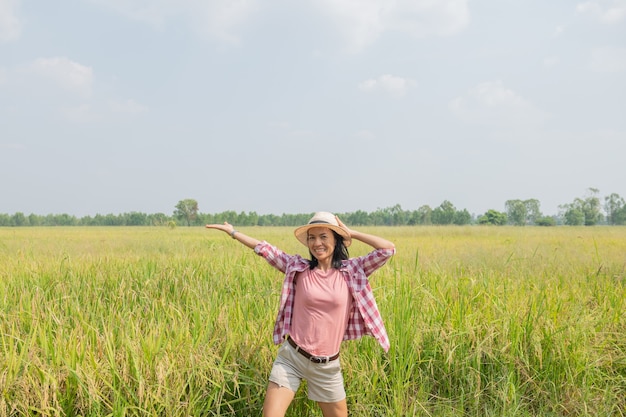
{"type": "Point", "coordinates": [324, 380]}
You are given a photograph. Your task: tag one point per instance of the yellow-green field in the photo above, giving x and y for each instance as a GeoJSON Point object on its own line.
{"type": "Point", "coordinates": [483, 321]}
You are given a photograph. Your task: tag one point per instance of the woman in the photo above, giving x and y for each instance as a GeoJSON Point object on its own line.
{"type": "Point", "coordinates": [324, 300]}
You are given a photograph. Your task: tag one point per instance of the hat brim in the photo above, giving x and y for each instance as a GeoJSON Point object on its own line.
{"type": "Point", "coordinates": [301, 232]}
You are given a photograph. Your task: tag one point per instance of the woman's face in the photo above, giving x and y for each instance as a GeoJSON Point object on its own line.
{"type": "Point", "coordinates": [321, 242]}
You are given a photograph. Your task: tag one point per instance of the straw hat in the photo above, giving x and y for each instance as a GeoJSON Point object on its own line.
{"type": "Point", "coordinates": [323, 219]}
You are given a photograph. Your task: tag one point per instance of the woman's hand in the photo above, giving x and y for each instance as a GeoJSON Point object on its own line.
{"type": "Point", "coordinates": [226, 227]}
{"type": "Point", "coordinates": [237, 235]}
{"type": "Point", "coordinates": [374, 241]}
{"type": "Point", "coordinates": [341, 224]}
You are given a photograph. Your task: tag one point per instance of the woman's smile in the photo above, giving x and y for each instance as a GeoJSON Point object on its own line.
{"type": "Point", "coordinates": [321, 242]}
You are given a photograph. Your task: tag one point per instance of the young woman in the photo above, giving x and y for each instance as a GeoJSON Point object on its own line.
{"type": "Point", "coordinates": [324, 300]}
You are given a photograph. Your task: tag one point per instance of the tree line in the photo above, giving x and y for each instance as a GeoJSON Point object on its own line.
{"type": "Point", "coordinates": [589, 210]}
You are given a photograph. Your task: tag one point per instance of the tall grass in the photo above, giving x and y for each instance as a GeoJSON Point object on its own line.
{"type": "Point", "coordinates": [159, 322]}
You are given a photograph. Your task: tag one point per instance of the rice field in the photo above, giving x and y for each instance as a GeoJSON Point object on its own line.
{"type": "Point", "coordinates": [483, 321]}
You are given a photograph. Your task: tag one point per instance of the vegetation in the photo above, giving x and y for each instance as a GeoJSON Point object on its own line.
{"type": "Point", "coordinates": [186, 210]}
{"type": "Point", "coordinates": [582, 211]}
{"type": "Point", "coordinates": [483, 321]}
{"type": "Point", "coordinates": [585, 211]}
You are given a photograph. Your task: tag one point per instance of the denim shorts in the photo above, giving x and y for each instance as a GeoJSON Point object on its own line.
{"type": "Point", "coordinates": [324, 380]}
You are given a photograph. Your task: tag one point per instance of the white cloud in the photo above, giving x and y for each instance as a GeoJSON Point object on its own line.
{"type": "Point", "coordinates": [607, 11]}
{"type": "Point", "coordinates": [389, 84]}
{"type": "Point", "coordinates": [216, 18]}
{"type": "Point", "coordinates": [127, 107]}
{"type": "Point", "coordinates": [64, 73]}
{"type": "Point", "coordinates": [493, 104]}
{"type": "Point", "coordinates": [360, 21]}
{"type": "Point", "coordinates": [10, 26]}
{"type": "Point", "coordinates": [363, 21]}
{"type": "Point", "coordinates": [3, 76]}
{"type": "Point", "coordinates": [608, 59]}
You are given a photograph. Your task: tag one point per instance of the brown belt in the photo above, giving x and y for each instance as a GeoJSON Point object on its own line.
{"type": "Point", "coordinates": [315, 359]}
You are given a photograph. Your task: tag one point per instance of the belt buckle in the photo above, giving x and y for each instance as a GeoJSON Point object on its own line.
{"type": "Point", "coordinates": [319, 359]}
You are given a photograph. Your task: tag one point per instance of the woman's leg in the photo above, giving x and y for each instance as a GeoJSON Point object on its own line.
{"type": "Point", "coordinates": [277, 400]}
{"type": "Point", "coordinates": [338, 409]}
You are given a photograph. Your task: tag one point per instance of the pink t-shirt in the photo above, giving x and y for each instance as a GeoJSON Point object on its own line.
{"type": "Point", "coordinates": [321, 310]}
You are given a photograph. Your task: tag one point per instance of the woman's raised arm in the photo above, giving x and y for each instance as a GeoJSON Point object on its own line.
{"type": "Point", "coordinates": [235, 234]}
{"type": "Point", "coordinates": [374, 241]}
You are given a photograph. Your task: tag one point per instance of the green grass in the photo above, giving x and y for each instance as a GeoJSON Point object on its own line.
{"type": "Point", "coordinates": [483, 321]}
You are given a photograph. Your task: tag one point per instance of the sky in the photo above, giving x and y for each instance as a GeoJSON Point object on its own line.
{"type": "Point", "coordinates": [275, 106]}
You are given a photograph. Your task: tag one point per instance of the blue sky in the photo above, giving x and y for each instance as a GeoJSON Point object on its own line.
{"type": "Point", "coordinates": [112, 106]}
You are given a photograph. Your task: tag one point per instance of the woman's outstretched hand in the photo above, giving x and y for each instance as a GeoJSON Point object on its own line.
{"type": "Point", "coordinates": [235, 234]}
{"type": "Point", "coordinates": [226, 227]}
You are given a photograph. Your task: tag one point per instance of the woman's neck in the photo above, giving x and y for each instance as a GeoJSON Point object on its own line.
{"type": "Point", "coordinates": [324, 265]}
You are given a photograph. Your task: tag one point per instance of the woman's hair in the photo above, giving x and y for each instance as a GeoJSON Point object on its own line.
{"type": "Point", "coordinates": [339, 254]}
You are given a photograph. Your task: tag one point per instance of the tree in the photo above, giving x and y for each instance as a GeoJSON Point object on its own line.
{"type": "Point", "coordinates": [19, 219]}
{"type": "Point", "coordinates": [444, 214]}
{"type": "Point", "coordinates": [545, 221]}
{"type": "Point", "coordinates": [516, 212]}
{"type": "Point", "coordinates": [613, 205]}
{"type": "Point", "coordinates": [591, 208]}
{"type": "Point", "coordinates": [186, 210]}
{"type": "Point", "coordinates": [573, 215]}
{"type": "Point", "coordinates": [462, 217]}
{"type": "Point", "coordinates": [620, 215]}
{"type": "Point", "coordinates": [523, 212]}
{"type": "Point", "coordinates": [425, 214]}
{"type": "Point", "coordinates": [358, 218]}
{"type": "Point", "coordinates": [397, 216]}
{"type": "Point", "coordinates": [493, 217]}
{"type": "Point", "coordinates": [533, 213]}
{"type": "Point", "coordinates": [587, 209]}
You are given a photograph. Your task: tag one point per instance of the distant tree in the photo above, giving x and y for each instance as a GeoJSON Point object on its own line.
{"type": "Point", "coordinates": [65, 220]}
{"type": "Point", "coordinates": [620, 216]}
{"type": "Point", "coordinates": [516, 212]}
{"type": "Point", "coordinates": [533, 212]}
{"type": "Point", "coordinates": [19, 219]}
{"type": "Point", "coordinates": [613, 205]}
{"type": "Point", "coordinates": [378, 217]}
{"type": "Point", "coordinates": [462, 217]}
{"type": "Point", "coordinates": [545, 221]}
{"type": "Point", "coordinates": [158, 219]}
{"type": "Point", "coordinates": [5, 220]}
{"type": "Point", "coordinates": [425, 214]}
{"type": "Point", "coordinates": [248, 219]}
{"type": "Point", "coordinates": [186, 210]}
{"type": "Point", "coordinates": [573, 215]}
{"type": "Point", "coordinates": [493, 217]}
{"type": "Point", "coordinates": [444, 214]}
{"type": "Point", "coordinates": [358, 218]}
{"type": "Point", "coordinates": [34, 220]}
{"type": "Point", "coordinates": [229, 216]}
{"type": "Point", "coordinates": [587, 208]}
{"type": "Point", "coordinates": [591, 208]}
{"type": "Point", "coordinates": [523, 212]}
{"type": "Point", "coordinates": [137, 219]}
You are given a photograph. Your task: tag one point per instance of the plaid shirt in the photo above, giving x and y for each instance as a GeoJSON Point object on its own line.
{"type": "Point", "coordinates": [364, 317]}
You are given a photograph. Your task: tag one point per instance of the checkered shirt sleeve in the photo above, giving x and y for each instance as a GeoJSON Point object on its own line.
{"type": "Point", "coordinates": [365, 318]}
